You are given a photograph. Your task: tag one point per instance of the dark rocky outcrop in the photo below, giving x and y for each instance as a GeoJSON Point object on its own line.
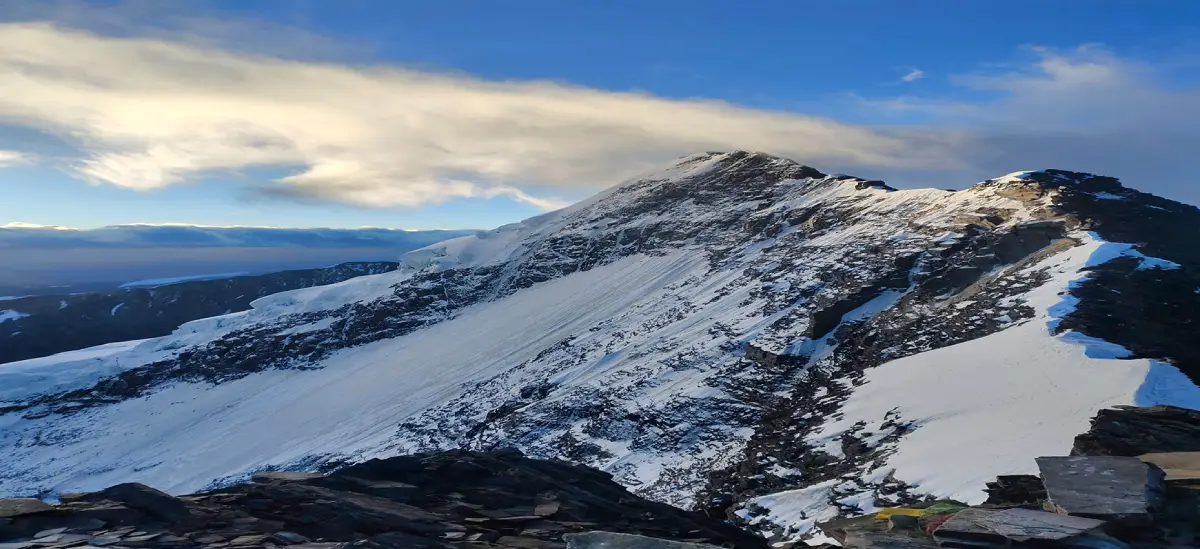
{"type": "Point", "coordinates": [452, 499]}
{"type": "Point", "coordinates": [1015, 490]}
{"type": "Point", "coordinates": [1134, 431]}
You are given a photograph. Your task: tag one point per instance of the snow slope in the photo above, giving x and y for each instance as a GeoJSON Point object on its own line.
{"type": "Point", "coordinates": [183, 437]}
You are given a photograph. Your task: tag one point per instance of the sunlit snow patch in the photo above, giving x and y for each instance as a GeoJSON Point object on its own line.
{"type": "Point", "coordinates": [989, 406]}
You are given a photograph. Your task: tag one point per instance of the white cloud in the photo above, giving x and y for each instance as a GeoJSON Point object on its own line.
{"type": "Point", "coordinates": [150, 113]}
{"type": "Point", "coordinates": [146, 112]}
{"type": "Point", "coordinates": [913, 75]}
{"type": "Point", "coordinates": [14, 158]}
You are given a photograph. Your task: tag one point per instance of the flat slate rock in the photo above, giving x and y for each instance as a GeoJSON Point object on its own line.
{"type": "Point", "coordinates": [613, 540]}
{"type": "Point", "coordinates": [1178, 466]}
{"type": "Point", "coordinates": [1026, 524]}
{"type": "Point", "coordinates": [970, 527]}
{"type": "Point", "coordinates": [1103, 487]}
{"type": "Point", "coordinates": [885, 540]}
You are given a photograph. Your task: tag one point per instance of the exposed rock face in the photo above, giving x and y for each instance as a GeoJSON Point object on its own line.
{"type": "Point", "coordinates": [1134, 431]}
{"type": "Point", "coordinates": [57, 323]}
{"type": "Point", "coordinates": [455, 499]}
{"type": "Point", "coordinates": [1106, 487]}
{"type": "Point", "coordinates": [692, 332]}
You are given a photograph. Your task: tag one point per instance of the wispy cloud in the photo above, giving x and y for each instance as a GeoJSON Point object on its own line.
{"type": "Point", "coordinates": [15, 158]}
{"type": "Point", "coordinates": [913, 75]}
{"type": "Point", "coordinates": [1085, 109]}
{"type": "Point", "coordinates": [150, 113]}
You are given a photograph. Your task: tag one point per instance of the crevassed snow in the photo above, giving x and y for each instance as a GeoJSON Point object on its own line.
{"type": "Point", "coordinates": [63, 371]}
{"type": "Point", "coordinates": [9, 314]}
{"type": "Point", "coordinates": [991, 405]}
{"type": "Point", "coordinates": [152, 282]}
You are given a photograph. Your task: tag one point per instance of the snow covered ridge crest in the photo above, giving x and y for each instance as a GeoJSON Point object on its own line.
{"type": "Point", "coordinates": [721, 333]}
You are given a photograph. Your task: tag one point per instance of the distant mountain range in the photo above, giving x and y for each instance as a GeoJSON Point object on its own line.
{"type": "Point", "coordinates": [137, 235]}
{"type": "Point", "coordinates": [39, 326]}
{"type": "Point", "coordinates": [41, 260]}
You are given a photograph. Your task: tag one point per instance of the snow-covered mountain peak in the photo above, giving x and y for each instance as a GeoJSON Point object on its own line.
{"type": "Point", "coordinates": [736, 331]}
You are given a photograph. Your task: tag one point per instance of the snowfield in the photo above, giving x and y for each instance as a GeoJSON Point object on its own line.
{"type": "Point", "coordinates": [60, 372]}
{"type": "Point", "coordinates": [990, 406]}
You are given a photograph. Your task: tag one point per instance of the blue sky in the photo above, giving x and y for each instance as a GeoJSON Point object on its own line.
{"type": "Point", "coordinates": [473, 114]}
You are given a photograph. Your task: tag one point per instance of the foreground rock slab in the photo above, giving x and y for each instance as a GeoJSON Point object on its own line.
{"type": "Point", "coordinates": [613, 540]}
{"type": "Point", "coordinates": [970, 526]}
{"type": "Point", "coordinates": [1104, 487]}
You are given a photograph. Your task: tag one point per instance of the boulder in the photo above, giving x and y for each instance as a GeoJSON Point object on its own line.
{"type": "Point", "coordinates": [1104, 487]}
{"type": "Point", "coordinates": [22, 506]}
{"type": "Point", "coordinates": [152, 502]}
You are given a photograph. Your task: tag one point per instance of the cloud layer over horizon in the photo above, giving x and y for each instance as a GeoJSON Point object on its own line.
{"type": "Point", "coordinates": [146, 113]}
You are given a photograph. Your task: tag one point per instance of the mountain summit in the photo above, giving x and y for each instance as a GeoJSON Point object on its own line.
{"type": "Point", "coordinates": [736, 332]}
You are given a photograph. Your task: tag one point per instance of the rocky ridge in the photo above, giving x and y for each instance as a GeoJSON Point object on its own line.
{"type": "Point", "coordinates": [695, 332]}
